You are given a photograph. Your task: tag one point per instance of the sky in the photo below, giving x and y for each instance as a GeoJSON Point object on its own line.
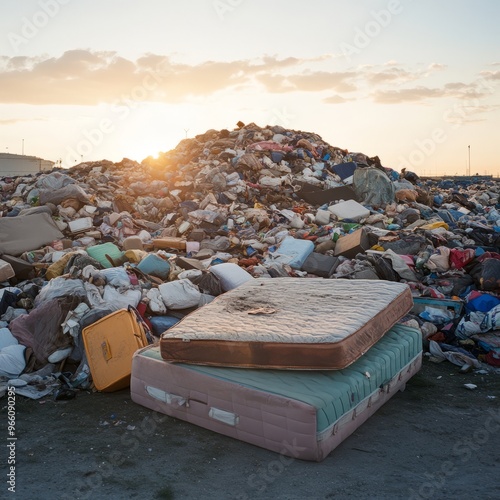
{"type": "Point", "coordinates": [414, 82]}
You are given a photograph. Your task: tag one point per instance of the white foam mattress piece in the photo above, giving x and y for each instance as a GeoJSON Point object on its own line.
{"type": "Point", "coordinates": [349, 209]}
{"type": "Point", "coordinates": [302, 414]}
{"type": "Point", "coordinates": [289, 323]}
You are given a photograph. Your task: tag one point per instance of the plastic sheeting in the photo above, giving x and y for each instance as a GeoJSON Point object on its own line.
{"type": "Point", "coordinates": [58, 195]}
{"type": "Point", "coordinates": [373, 187]}
{"type": "Point", "coordinates": [60, 287]}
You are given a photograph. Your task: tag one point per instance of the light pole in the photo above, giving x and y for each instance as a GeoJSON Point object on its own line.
{"type": "Point", "coordinates": [469, 161]}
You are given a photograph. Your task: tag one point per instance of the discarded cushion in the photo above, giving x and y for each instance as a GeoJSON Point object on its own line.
{"type": "Point", "coordinates": [12, 362]}
{"type": "Point", "coordinates": [161, 324]}
{"type": "Point", "coordinates": [154, 265]}
{"type": "Point", "coordinates": [230, 275]}
{"type": "Point", "coordinates": [180, 294]}
{"type": "Point", "coordinates": [293, 252]}
{"type": "Point", "coordinates": [22, 234]}
{"type": "Point", "coordinates": [99, 252]}
{"type": "Point", "coordinates": [349, 209]}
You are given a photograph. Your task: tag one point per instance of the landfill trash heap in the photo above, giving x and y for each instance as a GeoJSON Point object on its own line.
{"type": "Point", "coordinates": [165, 236]}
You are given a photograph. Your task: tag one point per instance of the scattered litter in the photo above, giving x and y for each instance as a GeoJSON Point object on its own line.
{"type": "Point", "coordinates": [167, 236]}
{"type": "Point", "coordinates": [262, 310]}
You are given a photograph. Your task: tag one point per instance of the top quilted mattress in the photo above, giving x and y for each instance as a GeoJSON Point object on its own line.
{"type": "Point", "coordinates": [291, 323]}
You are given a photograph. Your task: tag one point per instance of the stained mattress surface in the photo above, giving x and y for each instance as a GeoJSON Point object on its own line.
{"type": "Point", "coordinates": [330, 393]}
{"type": "Point", "coordinates": [289, 323]}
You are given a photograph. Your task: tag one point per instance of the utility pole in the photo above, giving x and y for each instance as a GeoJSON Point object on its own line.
{"type": "Point", "coordinates": [469, 161]}
{"type": "Point", "coordinates": [23, 147]}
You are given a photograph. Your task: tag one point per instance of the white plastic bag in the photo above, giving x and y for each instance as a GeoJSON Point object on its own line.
{"type": "Point", "coordinates": [12, 362]}
{"type": "Point", "coordinates": [60, 287]}
{"type": "Point", "coordinates": [180, 294]}
{"type": "Point", "coordinates": [6, 338]}
{"type": "Point", "coordinates": [156, 303]}
{"type": "Point", "coordinates": [116, 300]}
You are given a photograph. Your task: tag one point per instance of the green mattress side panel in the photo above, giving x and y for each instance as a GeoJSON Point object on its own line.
{"type": "Point", "coordinates": [331, 392]}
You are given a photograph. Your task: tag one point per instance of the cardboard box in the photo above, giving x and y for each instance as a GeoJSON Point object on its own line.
{"type": "Point", "coordinates": [170, 242]}
{"type": "Point", "coordinates": [352, 244]}
{"type": "Point", "coordinates": [6, 271]}
{"type": "Point", "coordinates": [317, 196]}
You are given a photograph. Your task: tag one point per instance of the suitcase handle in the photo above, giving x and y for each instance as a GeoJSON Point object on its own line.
{"type": "Point", "coordinates": [145, 327]}
{"type": "Point", "coordinates": [106, 350]}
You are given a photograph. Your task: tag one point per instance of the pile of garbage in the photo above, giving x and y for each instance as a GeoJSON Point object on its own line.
{"type": "Point", "coordinates": [166, 236]}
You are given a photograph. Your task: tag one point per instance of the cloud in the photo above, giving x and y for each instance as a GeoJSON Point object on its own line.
{"type": "Point", "coordinates": [436, 67]}
{"type": "Point", "coordinates": [13, 121]}
{"type": "Point", "coordinates": [393, 72]}
{"type": "Point", "coordinates": [335, 99]}
{"type": "Point", "coordinates": [85, 77]}
{"type": "Point", "coordinates": [309, 82]}
{"type": "Point", "coordinates": [10, 121]}
{"type": "Point", "coordinates": [416, 94]}
{"type": "Point", "coordinates": [393, 75]}
{"type": "Point", "coordinates": [469, 114]}
{"type": "Point", "coordinates": [467, 92]}
{"type": "Point", "coordinates": [491, 75]}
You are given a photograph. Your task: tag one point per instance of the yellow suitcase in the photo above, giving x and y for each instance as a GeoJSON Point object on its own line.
{"type": "Point", "coordinates": [110, 344]}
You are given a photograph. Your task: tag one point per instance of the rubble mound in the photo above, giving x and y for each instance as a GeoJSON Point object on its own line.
{"type": "Point", "coordinates": [167, 235]}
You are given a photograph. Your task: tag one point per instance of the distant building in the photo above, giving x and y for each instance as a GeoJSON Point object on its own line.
{"type": "Point", "coordinates": [12, 165]}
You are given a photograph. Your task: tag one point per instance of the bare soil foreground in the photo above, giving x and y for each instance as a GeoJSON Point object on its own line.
{"type": "Point", "coordinates": [435, 440]}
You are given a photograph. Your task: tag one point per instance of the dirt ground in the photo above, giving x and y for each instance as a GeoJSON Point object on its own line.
{"type": "Point", "coordinates": [436, 439]}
